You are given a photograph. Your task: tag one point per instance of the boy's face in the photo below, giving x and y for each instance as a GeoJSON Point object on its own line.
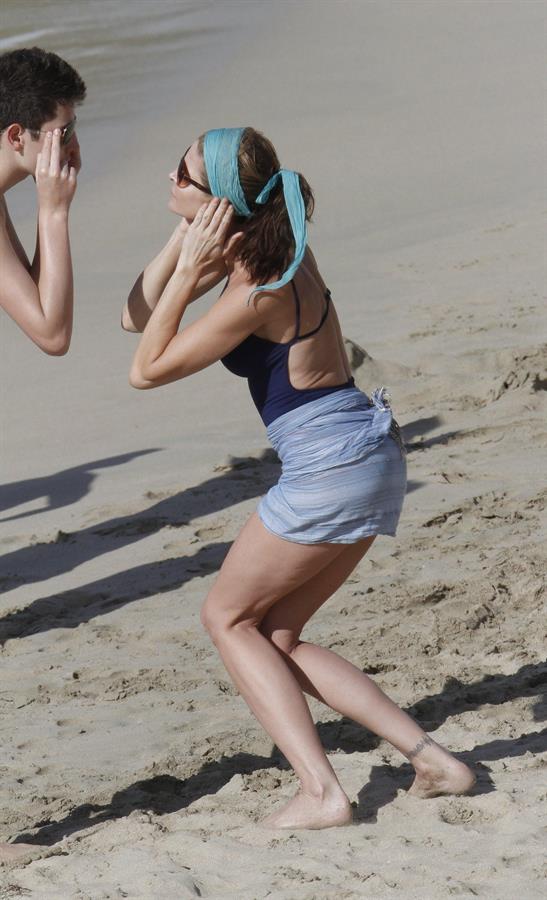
{"type": "Point", "coordinates": [70, 149]}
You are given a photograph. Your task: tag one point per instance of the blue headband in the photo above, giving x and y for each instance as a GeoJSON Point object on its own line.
{"type": "Point", "coordinates": [220, 155]}
{"type": "Point", "coordinates": [220, 151]}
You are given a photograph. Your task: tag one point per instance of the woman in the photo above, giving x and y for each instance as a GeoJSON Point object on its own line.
{"type": "Point", "coordinates": [343, 477]}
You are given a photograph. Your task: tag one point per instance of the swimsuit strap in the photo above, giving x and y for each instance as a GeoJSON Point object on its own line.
{"type": "Point", "coordinates": [297, 306]}
{"type": "Point", "coordinates": [301, 337]}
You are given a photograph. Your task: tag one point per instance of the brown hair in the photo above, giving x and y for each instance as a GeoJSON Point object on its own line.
{"type": "Point", "coordinates": [267, 246]}
{"type": "Point", "coordinates": [32, 83]}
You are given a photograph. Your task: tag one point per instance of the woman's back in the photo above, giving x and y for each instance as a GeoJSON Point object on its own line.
{"type": "Point", "coordinates": [297, 354]}
{"type": "Point", "coordinates": [304, 316]}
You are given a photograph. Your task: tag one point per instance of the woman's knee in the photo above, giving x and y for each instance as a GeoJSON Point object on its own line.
{"type": "Point", "coordinates": [220, 620]}
{"type": "Point", "coordinates": [211, 620]}
{"type": "Point", "coordinates": [284, 639]}
{"type": "Point", "coordinates": [209, 615]}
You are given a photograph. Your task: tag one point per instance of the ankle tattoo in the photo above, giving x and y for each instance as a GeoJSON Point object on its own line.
{"type": "Point", "coordinates": [420, 746]}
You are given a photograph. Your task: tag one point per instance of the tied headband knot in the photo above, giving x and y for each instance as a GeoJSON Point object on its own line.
{"type": "Point", "coordinates": [264, 195]}
{"type": "Point", "coordinates": [220, 154]}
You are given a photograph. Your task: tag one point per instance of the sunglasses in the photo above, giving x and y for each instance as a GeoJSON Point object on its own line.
{"type": "Point", "coordinates": [67, 132]}
{"type": "Point", "coordinates": [183, 178]}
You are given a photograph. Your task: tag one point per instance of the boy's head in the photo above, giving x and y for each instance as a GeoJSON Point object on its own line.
{"type": "Point", "coordinates": [33, 84]}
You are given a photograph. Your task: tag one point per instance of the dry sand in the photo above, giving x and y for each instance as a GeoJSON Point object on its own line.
{"type": "Point", "coordinates": [125, 748]}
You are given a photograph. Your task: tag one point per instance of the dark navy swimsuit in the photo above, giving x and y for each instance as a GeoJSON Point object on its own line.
{"type": "Point", "coordinates": [265, 364]}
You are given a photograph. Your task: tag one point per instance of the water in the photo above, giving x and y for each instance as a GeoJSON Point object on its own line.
{"type": "Point", "coordinates": [115, 45]}
{"type": "Point", "coordinates": [139, 59]}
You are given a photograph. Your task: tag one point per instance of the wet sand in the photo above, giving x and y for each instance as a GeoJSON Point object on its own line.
{"type": "Point", "coordinates": [125, 748]}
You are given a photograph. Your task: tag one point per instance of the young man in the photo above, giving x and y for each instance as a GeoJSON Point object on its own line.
{"type": "Point", "coordinates": [38, 93]}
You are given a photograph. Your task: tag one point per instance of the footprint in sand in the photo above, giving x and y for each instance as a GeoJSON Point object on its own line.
{"type": "Point", "coordinates": [468, 264]}
{"type": "Point", "coordinates": [528, 370]}
{"type": "Point", "coordinates": [505, 226]}
{"type": "Point", "coordinates": [466, 811]}
{"type": "Point", "coordinates": [211, 532]}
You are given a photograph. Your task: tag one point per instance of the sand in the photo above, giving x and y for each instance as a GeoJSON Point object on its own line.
{"type": "Point", "coordinates": [125, 748]}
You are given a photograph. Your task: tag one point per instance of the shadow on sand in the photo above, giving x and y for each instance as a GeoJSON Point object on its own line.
{"type": "Point", "coordinates": [96, 598]}
{"type": "Point", "coordinates": [241, 479]}
{"type": "Point", "coordinates": [60, 489]}
{"type": "Point", "coordinates": [166, 794]}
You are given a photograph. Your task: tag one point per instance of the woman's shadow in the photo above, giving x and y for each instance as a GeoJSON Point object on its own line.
{"type": "Point", "coordinates": [164, 794]}
{"type": "Point", "coordinates": [385, 781]}
{"type": "Point", "coordinates": [240, 479]}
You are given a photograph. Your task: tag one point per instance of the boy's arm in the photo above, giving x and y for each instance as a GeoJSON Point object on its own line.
{"type": "Point", "coordinates": [42, 305]}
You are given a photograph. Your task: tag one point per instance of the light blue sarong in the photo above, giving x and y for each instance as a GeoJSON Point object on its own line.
{"type": "Point", "coordinates": [343, 470]}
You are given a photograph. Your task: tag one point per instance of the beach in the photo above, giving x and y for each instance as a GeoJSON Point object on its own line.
{"type": "Point", "coordinates": [125, 749]}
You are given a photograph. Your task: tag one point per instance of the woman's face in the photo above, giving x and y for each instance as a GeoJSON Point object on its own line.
{"type": "Point", "coordinates": [186, 198]}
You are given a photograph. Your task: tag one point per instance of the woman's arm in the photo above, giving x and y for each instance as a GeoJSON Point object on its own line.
{"type": "Point", "coordinates": [164, 355]}
{"type": "Point", "coordinates": [151, 283]}
{"type": "Point", "coordinates": [43, 307]}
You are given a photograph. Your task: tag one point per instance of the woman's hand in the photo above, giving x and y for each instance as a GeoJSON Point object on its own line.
{"type": "Point", "coordinates": [55, 184]}
{"type": "Point", "coordinates": [182, 228]}
{"type": "Point", "coordinates": [206, 241]}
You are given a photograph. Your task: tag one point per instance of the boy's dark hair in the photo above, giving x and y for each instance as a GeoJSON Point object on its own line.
{"type": "Point", "coordinates": [32, 83]}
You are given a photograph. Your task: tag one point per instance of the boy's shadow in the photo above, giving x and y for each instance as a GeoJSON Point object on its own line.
{"type": "Point", "coordinates": [60, 489]}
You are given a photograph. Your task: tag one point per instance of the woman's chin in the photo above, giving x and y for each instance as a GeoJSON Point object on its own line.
{"type": "Point", "coordinates": [174, 205]}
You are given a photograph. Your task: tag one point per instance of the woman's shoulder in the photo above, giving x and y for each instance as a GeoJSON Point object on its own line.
{"type": "Point", "coordinates": [311, 269]}
{"type": "Point", "coordinates": [240, 288]}
{"type": "Point", "coordinates": [275, 309]}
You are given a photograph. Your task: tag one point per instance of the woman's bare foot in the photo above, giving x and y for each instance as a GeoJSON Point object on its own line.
{"type": "Point", "coordinates": [454, 779]}
{"type": "Point", "coordinates": [13, 852]}
{"type": "Point", "coordinates": [438, 772]}
{"type": "Point", "coordinates": [307, 811]}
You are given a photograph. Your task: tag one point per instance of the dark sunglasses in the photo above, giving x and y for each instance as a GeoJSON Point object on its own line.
{"type": "Point", "coordinates": [183, 178]}
{"type": "Point", "coordinates": [67, 132]}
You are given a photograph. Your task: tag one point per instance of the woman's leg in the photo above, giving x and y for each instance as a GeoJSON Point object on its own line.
{"type": "Point", "coordinates": [260, 569]}
{"type": "Point", "coordinates": [264, 573]}
{"type": "Point", "coordinates": [346, 689]}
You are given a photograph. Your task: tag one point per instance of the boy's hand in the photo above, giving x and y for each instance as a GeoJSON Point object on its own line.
{"type": "Point", "coordinates": [56, 185]}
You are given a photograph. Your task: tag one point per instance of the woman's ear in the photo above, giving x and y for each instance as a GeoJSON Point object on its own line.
{"type": "Point", "coordinates": [231, 243]}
